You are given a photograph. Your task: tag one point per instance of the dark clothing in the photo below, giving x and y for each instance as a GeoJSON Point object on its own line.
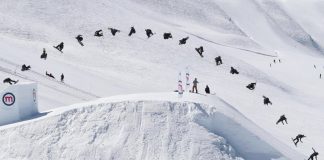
{"type": "Point", "coordinates": [218, 60]}
{"type": "Point", "coordinates": [10, 81]}
{"type": "Point", "coordinates": [234, 71]}
{"type": "Point", "coordinates": [266, 101]}
{"type": "Point", "coordinates": [207, 90]}
{"type": "Point", "coordinates": [251, 86]}
{"type": "Point", "coordinates": [282, 119]}
{"type": "Point", "coordinates": [167, 35]}
{"type": "Point", "coordinates": [194, 87]}
{"type": "Point", "coordinates": [62, 77]}
{"type": "Point", "coordinates": [132, 31]}
{"type": "Point", "coordinates": [298, 139]}
{"type": "Point", "coordinates": [183, 40]}
{"type": "Point", "coordinates": [315, 154]}
{"type": "Point", "coordinates": [44, 54]}
{"type": "Point", "coordinates": [50, 75]}
{"type": "Point", "coordinates": [79, 38]}
{"type": "Point", "coordinates": [98, 33]}
{"type": "Point", "coordinates": [60, 46]}
{"type": "Point", "coordinates": [113, 31]}
{"type": "Point", "coordinates": [25, 68]}
{"type": "Point", "coordinates": [149, 33]}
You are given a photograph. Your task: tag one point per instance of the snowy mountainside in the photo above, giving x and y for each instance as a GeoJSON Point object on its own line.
{"type": "Point", "coordinates": [250, 35]}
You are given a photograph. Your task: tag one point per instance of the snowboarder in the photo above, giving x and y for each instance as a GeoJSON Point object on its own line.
{"type": "Point", "coordinates": [10, 81]}
{"type": "Point", "coordinates": [132, 31]}
{"type": "Point", "coordinates": [62, 77]}
{"type": "Point", "coordinates": [207, 90]}
{"type": "Point", "coordinates": [194, 86]}
{"type": "Point", "coordinates": [50, 75]}
{"type": "Point", "coordinates": [218, 60]}
{"type": "Point", "coordinates": [113, 31]}
{"type": "Point", "coordinates": [80, 39]}
{"type": "Point", "coordinates": [298, 139]}
{"type": "Point", "coordinates": [315, 154]}
{"type": "Point", "coordinates": [200, 50]}
{"type": "Point", "coordinates": [274, 61]}
{"type": "Point", "coordinates": [98, 33]}
{"type": "Point", "coordinates": [320, 75]}
{"type": "Point", "coordinates": [25, 68]}
{"type": "Point", "coordinates": [60, 47]}
{"type": "Point", "coordinates": [251, 86]}
{"type": "Point", "coordinates": [183, 40]}
{"type": "Point", "coordinates": [282, 119]}
{"type": "Point", "coordinates": [266, 101]}
{"type": "Point", "coordinates": [167, 35]}
{"type": "Point", "coordinates": [149, 33]}
{"type": "Point", "coordinates": [234, 71]}
{"type": "Point", "coordinates": [44, 54]}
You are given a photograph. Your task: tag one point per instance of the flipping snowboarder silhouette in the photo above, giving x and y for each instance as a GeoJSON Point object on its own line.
{"type": "Point", "coordinates": [113, 31]}
{"type": "Point", "coordinates": [282, 119]}
{"type": "Point", "coordinates": [24, 67]}
{"type": "Point", "coordinates": [132, 31]}
{"type": "Point", "coordinates": [80, 39]}
{"type": "Point", "coordinates": [50, 75]}
{"type": "Point", "coordinates": [167, 35]}
{"type": "Point", "coordinates": [266, 101]}
{"type": "Point", "coordinates": [44, 54]}
{"type": "Point", "coordinates": [298, 139]}
{"type": "Point", "coordinates": [10, 81]}
{"type": "Point", "coordinates": [183, 40]}
{"type": "Point", "coordinates": [200, 50]}
{"type": "Point", "coordinates": [234, 71]}
{"type": "Point", "coordinates": [314, 154]}
{"type": "Point", "coordinates": [98, 33]}
{"type": "Point", "coordinates": [251, 86]}
{"type": "Point", "coordinates": [60, 47]}
{"type": "Point", "coordinates": [149, 33]}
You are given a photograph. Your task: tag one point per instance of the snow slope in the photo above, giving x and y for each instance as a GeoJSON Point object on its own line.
{"type": "Point", "coordinates": [148, 126]}
{"type": "Point", "coordinates": [248, 38]}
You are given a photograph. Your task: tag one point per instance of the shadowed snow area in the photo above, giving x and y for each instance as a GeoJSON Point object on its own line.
{"type": "Point", "coordinates": [142, 129]}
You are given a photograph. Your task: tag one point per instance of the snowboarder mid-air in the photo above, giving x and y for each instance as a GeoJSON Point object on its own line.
{"type": "Point", "coordinates": [50, 75]}
{"type": "Point", "coordinates": [44, 54]}
{"type": "Point", "coordinates": [183, 40]}
{"type": "Point", "coordinates": [194, 86]}
{"type": "Point", "coordinates": [298, 139]}
{"type": "Point", "coordinates": [98, 33]}
{"type": "Point", "coordinates": [314, 154]}
{"type": "Point", "coordinates": [200, 50]}
{"type": "Point", "coordinates": [266, 101]}
{"type": "Point", "coordinates": [167, 35]}
{"type": "Point", "coordinates": [282, 119]}
{"type": "Point", "coordinates": [207, 90]}
{"type": "Point", "coordinates": [218, 60]}
{"type": "Point", "coordinates": [113, 31]}
{"type": "Point", "coordinates": [149, 33]}
{"type": "Point", "coordinates": [132, 31]}
{"type": "Point", "coordinates": [10, 81]}
{"type": "Point", "coordinates": [80, 39]}
{"type": "Point", "coordinates": [251, 86]}
{"type": "Point", "coordinates": [62, 77]}
{"type": "Point", "coordinates": [24, 67]}
{"type": "Point", "coordinates": [234, 71]}
{"type": "Point", "coordinates": [60, 46]}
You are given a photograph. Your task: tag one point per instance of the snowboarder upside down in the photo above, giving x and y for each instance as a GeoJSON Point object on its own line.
{"type": "Point", "coordinates": [314, 154]}
{"type": "Point", "coordinates": [10, 81]}
{"type": "Point", "coordinates": [113, 31]}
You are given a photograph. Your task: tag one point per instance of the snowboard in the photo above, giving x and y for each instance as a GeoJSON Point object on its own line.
{"type": "Point", "coordinates": [294, 142]}
{"type": "Point", "coordinates": [81, 43]}
{"type": "Point", "coordinates": [58, 49]}
{"type": "Point", "coordinates": [201, 55]}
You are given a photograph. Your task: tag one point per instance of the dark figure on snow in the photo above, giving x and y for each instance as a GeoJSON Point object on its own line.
{"type": "Point", "coordinates": [320, 76]}
{"type": "Point", "coordinates": [132, 31]}
{"type": "Point", "coordinates": [10, 81]}
{"type": "Point", "coordinates": [149, 33]}
{"type": "Point", "coordinates": [113, 31]}
{"type": "Point", "coordinates": [194, 86]}
{"type": "Point", "coordinates": [266, 101]}
{"type": "Point", "coordinates": [80, 39]}
{"type": "Point", "coordinates": [218, 60]}
{"type": "Point", "coordinates": [62, 77]}
{"type": "Point", "coordinates": [24, 67]}
{"type": "Point", "coordinates": [207, 90]}
{"type": "Point", "coordinates": [50, 75]}
{"type": "Point", "coordinates": [167, 35]}
{"type": "Point", "coordinates": [234, 71]}
{"type": "Point", "coordinates": [298, 139]}
{"type": "Point", "coordinates": [251, 86]}
{"type": "Point", "coordinates": [183, 40]}
{"type": "Point", "coordinates": [315, 154]}
{"type": "Point", "coordinates": [200, 50]}
{"type": "Point", "coordinates": [60, 46]}
{"type": "Point", "coordinates": [98, 33]}
{"type": "Point", "coordinates": [44, 54]}
{"type": "Point", "coordinates": [282, 119]}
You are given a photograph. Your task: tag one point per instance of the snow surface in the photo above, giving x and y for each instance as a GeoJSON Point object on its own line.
{"type": "Point", "coordinates": [248, 38]}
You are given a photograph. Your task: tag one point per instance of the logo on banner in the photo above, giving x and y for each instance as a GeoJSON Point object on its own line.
{"type": "Point", "coordinates": [8, 99]}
